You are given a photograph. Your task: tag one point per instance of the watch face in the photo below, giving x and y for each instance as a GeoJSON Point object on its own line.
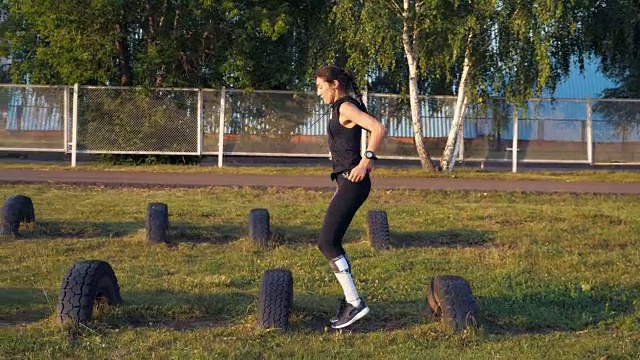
{"type": "Point", "coordinates": [368, 154]}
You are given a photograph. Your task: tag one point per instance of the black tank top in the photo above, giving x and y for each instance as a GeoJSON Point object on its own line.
{"type": "Point", "coordinates": [344, 143]}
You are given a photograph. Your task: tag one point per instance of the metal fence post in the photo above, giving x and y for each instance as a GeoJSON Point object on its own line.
{"type": "Point", "coordinates": [221, 127]}
{"type": "Point", "coordinates": [74, 127]}
{"type": "Point", "coordinates": [514, 145]}
{"type": "Point", "coordinates": [65, 119]}
{"type": "Point", "coordinates": [363, 139]}
{"type": "Point", "coordinates": [589, 133]}
{"type": "Point", "coordinates": [200, 122]}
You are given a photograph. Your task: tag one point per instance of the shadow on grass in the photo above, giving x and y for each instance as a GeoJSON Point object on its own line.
{"type": "Point", "coordinates": [185, 232]}
{"type": "Point", "coordinates": [182, 232]}
{"type": "Point", "coordinates": [184, 311]}
{"type": "Point", "coordinates": [179, 232]}
{"type": "Point", "coordinates": [311, 313]}
{"type": "Point", "coordinates": [534, 313]}
{"type": "Point", "coordinates": [24, 305]}
{"type": "Point", "coordinates": [284, 235]}
{"type": "Point", "coordinates": [556, 309]}
{"type": "Point", "coordinates": [291, 235]}
{"type": "Point", "coordinates": [153, 309]}
{"type": "Point", "coordinates": [175, 310]}
{"type": "Point", "coordinates": [76, 229]}
{"type": "Point", "coordinates": [440, 238]}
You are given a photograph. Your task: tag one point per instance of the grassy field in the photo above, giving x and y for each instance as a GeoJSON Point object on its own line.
{"type": "Point", "coordinates": [599, 175]}
{"type": "Point", "coordinates": [553, 275]}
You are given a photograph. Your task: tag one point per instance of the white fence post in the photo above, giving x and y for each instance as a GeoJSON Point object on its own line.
{"type": "Point", "coordinates": [589, 133]}
{"type": "Point", "coordinates": [65, 119]}
{"type": "Point", "coordinates": [363, 139]}
{"type": "Point", "coordinates": [74, 127]}
{"type": "Point", "coordinates": [514, 145]}
{"type": "Point", "coordinates": [221, 127]}
{"type": "Point", "coordinates": [200, 122]}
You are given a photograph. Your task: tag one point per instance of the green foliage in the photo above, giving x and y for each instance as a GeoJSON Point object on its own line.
{"type": "Point", "coordinates": [536, 43]}
{"type": "Point", "coordinates": [372, 34]}
{"type": "Point", "coordinates": [60, 43]}
{"type": "Point", "coordinates": [613, 33]}
{"type": "Point", "coordinates": [517, 49]}
{"type": "Point", "coordinates": [190, 43]}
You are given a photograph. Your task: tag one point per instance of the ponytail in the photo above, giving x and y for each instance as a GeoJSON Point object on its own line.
{"type": "Point", "coordinates": [356, 90]}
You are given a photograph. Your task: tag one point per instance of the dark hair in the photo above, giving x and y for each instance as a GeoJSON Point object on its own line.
{"type": "Point", "coordinates": [345, 78]}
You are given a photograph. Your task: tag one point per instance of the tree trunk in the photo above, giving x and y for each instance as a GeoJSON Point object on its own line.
{"type": "Point", "coordinates": [459, 144]}
{"type": "Point", "coordinates": [447, 160]}
{"type": "Point", "coordinates": [425, 158]}
{"type": "Point", "coordinates": [126, 76]}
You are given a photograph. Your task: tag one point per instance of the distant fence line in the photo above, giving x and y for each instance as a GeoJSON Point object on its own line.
{"type": "Point", "coordinates": [95, 119]}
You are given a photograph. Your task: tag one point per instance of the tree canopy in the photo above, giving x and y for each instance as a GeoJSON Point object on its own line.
{"type": "Point", "coordinates": [518, 49]}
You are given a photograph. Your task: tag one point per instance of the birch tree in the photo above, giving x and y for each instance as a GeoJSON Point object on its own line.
{"type": "Point", "coordinates": [521, 49]}
{"type": "Point", "coordinates": [410, 35]}
{"type": "Point", "coordinates": [376, 31]}
{"type": "Point", "coordinates": [455, 132]}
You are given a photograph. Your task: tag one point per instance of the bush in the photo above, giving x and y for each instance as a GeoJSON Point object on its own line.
{"type": "Point", "coordinates": [129, 159]}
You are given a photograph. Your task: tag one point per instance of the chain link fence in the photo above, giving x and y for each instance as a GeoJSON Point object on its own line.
{"type": "Point", "coordinates": [137, 121]}
{"type": "Point", "coordinates": [553, 131]}
{"type": "Point", "coordinates": [115, 120]}
{"type": "Point", "coordinates": [211, 101]}
{"type": "Point", "coordinates": [275, 123]}
{"type": "Point", "coordinates": [486, 127]}
{"type": "Point", "coordinates": [33, 118]}
{"type": "Point", "coordinates": [616, 131]}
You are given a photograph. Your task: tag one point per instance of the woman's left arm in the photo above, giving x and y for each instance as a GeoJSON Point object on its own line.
{"type": "Point", "coordinates": [368, 122]}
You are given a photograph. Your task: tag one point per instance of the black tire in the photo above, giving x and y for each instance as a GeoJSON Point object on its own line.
{"type": "Point", "coordinates": [86, 284]}
{"type": "Point", "coordinates": [276, 298]}
{"type": "Point", "coordinates": [451, 298]}
{"type": "Point", "coordinates": [157, 223]}
{"type": "Point", "coordinates": [377, 227]}
{"type": "Point", "coordinates": [16, 209]}
{"type": "Point", "coordinates": [259, 226]}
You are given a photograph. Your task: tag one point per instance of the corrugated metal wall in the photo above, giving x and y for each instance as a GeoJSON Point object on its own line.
{"type": "Point", "coordinates": [32, 109]}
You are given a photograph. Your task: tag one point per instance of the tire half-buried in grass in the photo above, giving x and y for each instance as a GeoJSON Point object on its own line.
{"type": "Point", "coordinates": [86, 284]}
{"type": "Point", "coordinates": [449, 297]}
{"type": "Point", "coordinates": [157, 223]}
{"type": "Point", "coordinates": [16, 209]}
{"type": "Point", "coordinates": [276, 298]}
{"type": "Point", "coordinates": [377, 227]}
{"type": "Point", "coordinates": [259, 226]}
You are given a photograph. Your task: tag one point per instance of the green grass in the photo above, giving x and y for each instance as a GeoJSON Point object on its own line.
{"type": "Point", "coordinates": [553, 275]}
{"type": "Point", "coordinates": [598, 175]}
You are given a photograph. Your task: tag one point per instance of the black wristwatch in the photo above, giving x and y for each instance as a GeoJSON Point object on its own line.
{"type": "Point", "coordinates": [370, 155]}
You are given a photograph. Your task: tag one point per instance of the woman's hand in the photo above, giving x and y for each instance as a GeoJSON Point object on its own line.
{"type": "Point", "coordinates": [359, 172]}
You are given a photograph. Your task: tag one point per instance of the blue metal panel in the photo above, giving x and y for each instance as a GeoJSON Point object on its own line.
{"type": "Point", "coordinates": [33, 112]}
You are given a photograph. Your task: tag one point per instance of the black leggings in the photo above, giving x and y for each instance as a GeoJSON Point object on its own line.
{"type": "Point", "coordinates": [343, 206]}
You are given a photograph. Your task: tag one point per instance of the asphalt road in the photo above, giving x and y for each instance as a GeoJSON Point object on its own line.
{"type": "Point", "coordinates": [175, 179]}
